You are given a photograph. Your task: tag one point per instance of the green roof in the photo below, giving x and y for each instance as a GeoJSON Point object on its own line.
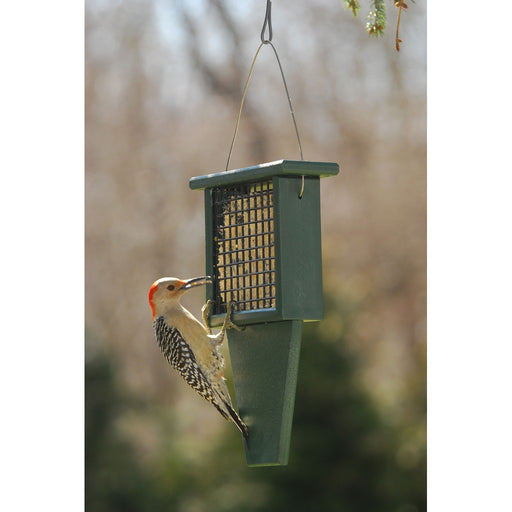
{"type": "Point", "coordinates": [261, 171]}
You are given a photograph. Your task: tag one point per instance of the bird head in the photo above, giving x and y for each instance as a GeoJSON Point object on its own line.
{"type": "Point", "coordinates": [166, 292]}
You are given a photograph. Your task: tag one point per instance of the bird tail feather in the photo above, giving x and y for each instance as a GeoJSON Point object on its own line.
{"type": "Point", "coordinates": [239, 423]}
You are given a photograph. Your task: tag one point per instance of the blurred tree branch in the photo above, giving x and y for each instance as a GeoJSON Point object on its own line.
{"type": "Point", "coordinates": [228, 85]}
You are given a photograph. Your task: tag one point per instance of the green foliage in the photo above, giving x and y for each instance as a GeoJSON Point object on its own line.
{"type": "Point", "coordinates": [353, 5]}
{"type": "Point", "coordinates": [343, 455]}
{"type": "Point", "coordinates": [113, 478]}
{"type": "Point", "coordinates": [376, 19]}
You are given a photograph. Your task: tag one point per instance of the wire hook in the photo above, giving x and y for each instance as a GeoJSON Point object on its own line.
{"type": "Point", "coordinates": [267, 22]}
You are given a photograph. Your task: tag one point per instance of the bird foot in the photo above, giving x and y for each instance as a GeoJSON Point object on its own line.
{"type": "Point", "coordinates": [228, 323]}
{"type": "Point", "coordinates": [206, 314]}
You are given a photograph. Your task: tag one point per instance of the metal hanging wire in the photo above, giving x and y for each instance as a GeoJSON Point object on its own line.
{"type": "Point", "coordinates": [267, 25]}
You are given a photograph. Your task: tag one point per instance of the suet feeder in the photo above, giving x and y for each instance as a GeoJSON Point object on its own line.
{"type": "Point", "coordinates": [263, 251]}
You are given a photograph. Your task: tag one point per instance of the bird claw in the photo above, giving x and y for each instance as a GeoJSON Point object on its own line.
{"type": "Point", "coordinates": [206, 314]}
{"type": "Point", "coordinates": [228, 323]}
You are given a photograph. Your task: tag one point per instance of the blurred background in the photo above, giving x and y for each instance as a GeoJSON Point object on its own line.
{"type": "Point", "coordinates": [163, 85]}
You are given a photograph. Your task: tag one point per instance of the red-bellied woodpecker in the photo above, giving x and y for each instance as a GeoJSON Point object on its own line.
{"type": "Point", "coordinates": [189, 346]}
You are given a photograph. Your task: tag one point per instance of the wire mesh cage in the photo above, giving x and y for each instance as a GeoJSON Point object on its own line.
{"type": "Point", "coordinates": [244, 260]}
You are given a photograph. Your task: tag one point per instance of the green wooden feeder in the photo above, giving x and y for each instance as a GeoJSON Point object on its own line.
{"type": "Point", "coordinates": [263, 250]}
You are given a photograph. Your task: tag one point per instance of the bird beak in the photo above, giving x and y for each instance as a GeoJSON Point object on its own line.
{"type": "Point", "coordinates": [196, 281]}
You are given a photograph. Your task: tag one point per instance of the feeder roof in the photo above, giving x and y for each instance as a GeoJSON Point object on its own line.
{"type": "Point", "coordinates": [262, 171]}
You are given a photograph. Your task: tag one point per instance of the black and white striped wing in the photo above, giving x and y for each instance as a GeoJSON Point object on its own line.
{"type": "Point", "coordinates": [181, 357]}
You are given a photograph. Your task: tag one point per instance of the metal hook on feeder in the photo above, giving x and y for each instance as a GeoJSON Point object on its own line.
{"type": "Point", "coordinates": [267, 22]}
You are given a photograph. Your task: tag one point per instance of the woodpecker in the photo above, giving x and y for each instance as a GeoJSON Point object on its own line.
{"type": "Point", "coordinates": [189, 346]}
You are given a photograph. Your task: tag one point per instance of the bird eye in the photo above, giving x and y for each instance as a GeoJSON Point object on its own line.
{"type": "Point", "coordinates": [170, 287]}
